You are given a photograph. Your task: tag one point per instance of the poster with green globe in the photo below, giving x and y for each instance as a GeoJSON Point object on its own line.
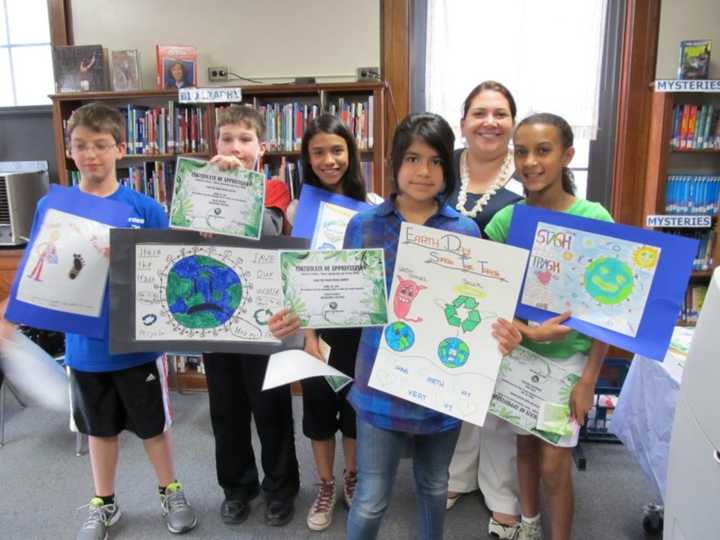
{"type": "Point", "coordinates": [207, 199]}
{"type": "Point", "coordinates": [447, 291]}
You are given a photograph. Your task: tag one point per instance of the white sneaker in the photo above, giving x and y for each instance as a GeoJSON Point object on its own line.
{"type": "Point", "coordinates": [320, 514]}
{"type": "Point", "coordinates": [505, 532]}
{"type": "Point", "coordinates": [530, 531]}
{"type": "Point", "coordinates": [452, 500]}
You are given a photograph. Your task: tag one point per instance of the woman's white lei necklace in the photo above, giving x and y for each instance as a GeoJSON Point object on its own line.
{"type": "Point", "coordinates": [500, 180]}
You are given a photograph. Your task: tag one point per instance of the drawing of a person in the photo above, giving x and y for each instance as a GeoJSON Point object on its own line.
{"type": "Point", "coordinates": [48, 253]}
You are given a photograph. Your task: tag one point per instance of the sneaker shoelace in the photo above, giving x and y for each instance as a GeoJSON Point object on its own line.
{"type": "Point", "coordinates": [96, 514]}
{"type": "Point", "coordinates": [175, 501]}
{"type": "Point", "coordinates": [324, 498]}
{"type": "Point", "coordinates": [350, 483]}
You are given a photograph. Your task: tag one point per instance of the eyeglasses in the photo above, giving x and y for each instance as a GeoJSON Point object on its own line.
{"type": "Point", "coordinates": [98, 148]}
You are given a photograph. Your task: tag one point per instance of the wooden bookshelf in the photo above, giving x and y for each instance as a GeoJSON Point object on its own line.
{"type": "Point", "coordinates": [663, 161]}
{"type": "Point", "coordinates": [322, 95]}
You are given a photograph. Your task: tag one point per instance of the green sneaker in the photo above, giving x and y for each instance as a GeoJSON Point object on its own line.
{"type": "Point", "coordinates": [530, 531]}
{"type": "Point", "coordinates": [179, 515]}
{"type": "Point", "coordinates": [100, 517]}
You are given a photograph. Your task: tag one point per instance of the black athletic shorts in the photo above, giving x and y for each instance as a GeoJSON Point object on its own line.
{"type": "Point", "coordinates": [105, 403]}
{"type": "Point", "coordinates": [325, 412]}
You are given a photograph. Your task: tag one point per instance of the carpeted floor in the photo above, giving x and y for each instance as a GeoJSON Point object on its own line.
{"type": "Point", "coordinates": [42, 483]}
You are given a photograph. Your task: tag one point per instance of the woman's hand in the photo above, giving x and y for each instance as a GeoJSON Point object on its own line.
{"type": "Point", "coordinates": [507, 335]}
{"type": "Point", "coordinates": [283, 324]}
{"type": "Point", "coordinates": [581, 401]}
{"type": "Point", "coordinates": [225, 163]}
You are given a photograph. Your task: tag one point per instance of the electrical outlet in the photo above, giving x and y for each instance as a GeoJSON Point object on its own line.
{"type": "Point", "coordinates": [368, 74]}
{"type": "Point", "coordinates": [218, 74]}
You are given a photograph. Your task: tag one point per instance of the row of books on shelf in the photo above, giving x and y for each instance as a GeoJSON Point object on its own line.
{"type": "Point", "coordinates": [692, 194]}
{"type": "Point", "coordinates": [156, 178]}
{"type": "Point", "coordinates": [696, 127]}
{"type": "Point", "coordinates": [706, 244]}
{"type": "Point", "coordinates": [152, 178]}
{"type": "Point", "coordinates": [187, 363]}
{"type": "Point", "coordinates": [286, 122]}
{"type": "Point", "coordinates": [174, 129]}
{"type": "Point", "coordinates": [693, 302]}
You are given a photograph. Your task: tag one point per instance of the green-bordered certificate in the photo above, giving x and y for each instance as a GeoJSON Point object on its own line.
{"type": "Point", "coordinates": [533, 393]}
{"type": "Point", "coordinates": [223, 202]}
{"type": "Point", "coordinates": [335, 288]}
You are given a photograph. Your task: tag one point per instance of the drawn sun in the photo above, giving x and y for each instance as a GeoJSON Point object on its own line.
{"type": "Point", "coordinates": [646, 257]}
{"type": "Point", "coordinates": [568, 255]}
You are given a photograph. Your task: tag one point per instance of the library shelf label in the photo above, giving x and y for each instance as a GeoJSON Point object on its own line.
{"type": "Point", "coordinates": [687, 85]}
{"type": "Point", "coordinates": [210, 95]}
{"type": "Point", "coordinates": [678, 221]}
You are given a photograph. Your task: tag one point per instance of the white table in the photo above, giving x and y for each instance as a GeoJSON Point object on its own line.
{"type": "Point", "coordinates": [643, 417]}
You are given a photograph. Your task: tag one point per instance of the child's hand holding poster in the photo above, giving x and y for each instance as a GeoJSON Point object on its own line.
{"type": "Point", "coordinates": [448, 289]}
{"type": "Point", "coordinates": [223, 202]}
{"type": "Point", "coordinates": [623, 285]}
{"type": "Point", "coordinates": [62, 278]}
{"type": "Point", "coordinates": [335, 288]}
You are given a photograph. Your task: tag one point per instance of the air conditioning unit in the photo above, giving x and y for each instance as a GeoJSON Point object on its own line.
{"type": "Point", "coordinates": [19, 193]}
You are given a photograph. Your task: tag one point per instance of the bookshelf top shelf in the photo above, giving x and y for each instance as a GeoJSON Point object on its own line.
{"type": "Point", "coordinates": [248, 90]}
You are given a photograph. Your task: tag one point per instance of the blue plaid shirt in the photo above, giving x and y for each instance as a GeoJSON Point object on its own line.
{"type": "Point", "coordinates": [379, 227]}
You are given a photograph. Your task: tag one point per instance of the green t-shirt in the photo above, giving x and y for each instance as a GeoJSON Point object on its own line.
{"type": "Point", "coordinates": [498, 229]}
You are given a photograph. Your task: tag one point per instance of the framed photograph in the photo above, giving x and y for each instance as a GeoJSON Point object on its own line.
{"type": "Point", "coordinates": [176, 66]}
{"type": "Point", "coordinates": [125, 70]}
{"type": "Point", "coordinates": [79, 68]}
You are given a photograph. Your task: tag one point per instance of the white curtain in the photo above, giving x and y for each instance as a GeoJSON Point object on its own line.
{"type": "Point", "coordinates": [547, 52]}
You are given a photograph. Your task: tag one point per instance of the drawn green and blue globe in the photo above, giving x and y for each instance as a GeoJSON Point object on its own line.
{"type": "Point", "coordinates": [453, 352]}
{"type": "Point", "coordinates": [609, 280]}
{"type": "Point", "coordinates": [202, 292]}
{"type": "Point", "coordinates": [399, 336]}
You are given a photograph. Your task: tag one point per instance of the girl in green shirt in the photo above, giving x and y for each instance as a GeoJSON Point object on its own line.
{"type": "Point", "coordinates": [543, 150]}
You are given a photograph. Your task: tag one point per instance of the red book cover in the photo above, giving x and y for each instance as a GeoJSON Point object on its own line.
{"type": "Point", "coordinates": [176, 66]}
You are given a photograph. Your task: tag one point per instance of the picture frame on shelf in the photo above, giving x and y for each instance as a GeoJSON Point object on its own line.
{"type": "Point", "coordinates": [79, 68]}
{"type": "Point", "coordinates": [176, 66]}
{"type": "Point", "coordinates": [125, 70]}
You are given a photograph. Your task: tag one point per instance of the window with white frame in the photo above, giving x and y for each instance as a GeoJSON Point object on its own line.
{"type": "Point", "coordinates": [549, 54]}
{"type": "Point", "coordinates": [26, 71]}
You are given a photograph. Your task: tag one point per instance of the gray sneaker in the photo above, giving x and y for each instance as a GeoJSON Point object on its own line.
{"type": "Point", "coordinates": [179, 515]}
{"type": "Point", "coordinates": [100, 517]}
{"type": "Point", "coordinates": [530, 531]}
{"type": "Point", "coordinates": [503, 532]}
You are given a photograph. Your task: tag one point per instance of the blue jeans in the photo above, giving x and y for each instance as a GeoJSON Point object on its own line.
{"type": "Point", "coordinates": [378, 454]}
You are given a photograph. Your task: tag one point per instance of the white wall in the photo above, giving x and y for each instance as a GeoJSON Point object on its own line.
{"type": "Point", "coordinates": [687, 19]}
{"type": "Point", "coordinates": [274, 40]}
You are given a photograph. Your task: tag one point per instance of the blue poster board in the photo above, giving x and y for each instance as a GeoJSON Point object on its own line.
{"type": "Point", "coordinates": [667, 282]}
{"type": "Point", "coordinates": [309, 205]}
{"type": "Point", "coordinates": [70, 201]}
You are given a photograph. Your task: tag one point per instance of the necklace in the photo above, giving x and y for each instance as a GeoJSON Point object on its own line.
{"type": "Point", "coordinates": [500, 180]}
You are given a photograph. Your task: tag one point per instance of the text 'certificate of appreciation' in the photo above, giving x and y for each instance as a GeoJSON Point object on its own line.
{"type": "Point", "coordinates": [448, 289]}
{"type": "Point", "coordinates": [223, 202]}
{"type": "Point", "coordinates": [335, 288]}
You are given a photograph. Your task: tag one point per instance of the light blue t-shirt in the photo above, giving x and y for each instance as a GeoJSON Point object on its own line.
{"type": "Point", "coordinates": [84, 353]}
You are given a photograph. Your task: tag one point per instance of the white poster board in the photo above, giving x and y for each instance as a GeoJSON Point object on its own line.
{"type": "Point", "coordinates": [437, 350]}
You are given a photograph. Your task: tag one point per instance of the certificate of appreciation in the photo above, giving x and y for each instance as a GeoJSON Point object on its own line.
{"type": "Point", "coordinates": [533, 393]}
{"type": "Point", "coordinates": [222, 202]}
{"type": "Point", "coordinates": [335, 288]}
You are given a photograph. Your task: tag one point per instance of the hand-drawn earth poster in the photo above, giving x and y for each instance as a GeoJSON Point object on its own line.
{"type": "Point", "coordinates": [447, 290]}
{"type": "Point", "coordinates": [603, 280]}
{"type": "Point", "coordinates": [202, 294]}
